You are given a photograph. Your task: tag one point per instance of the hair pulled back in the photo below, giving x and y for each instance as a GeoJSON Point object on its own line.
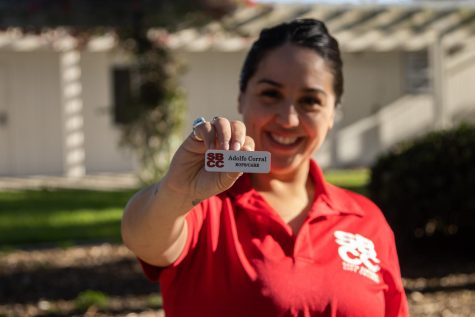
{"type": "Point", "coordinates": [309, 33]}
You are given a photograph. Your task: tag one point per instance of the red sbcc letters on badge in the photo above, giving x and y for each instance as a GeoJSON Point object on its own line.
{"type": "Point", "coordinates": [237, 161]}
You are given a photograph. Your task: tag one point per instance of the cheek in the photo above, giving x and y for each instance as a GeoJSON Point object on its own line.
{"type": "Point", "coordinates": [249, 121]}
{"type": "Point", "coordinates": [319, 126]}
{"type": "Point", "coordinates": [255, 114]}
{"type": "Point", "coordinates": [253, 124]}
{"type": "Point", "coordinates": [326, 119]}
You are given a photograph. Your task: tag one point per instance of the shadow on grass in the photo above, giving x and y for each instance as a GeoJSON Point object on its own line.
{"type": "Point", "coordinates": [120, 278]}
{"type": "Point", "coordinates": [438, 256]}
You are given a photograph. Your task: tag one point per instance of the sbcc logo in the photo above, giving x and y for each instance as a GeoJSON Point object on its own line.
{"type": "Point", "coordinates": [215, 160]}
{"type": "Point", "coordinates": [358, 254]}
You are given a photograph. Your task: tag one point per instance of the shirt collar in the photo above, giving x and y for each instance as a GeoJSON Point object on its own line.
{"type": "Point", "coordinates": [329, 199]}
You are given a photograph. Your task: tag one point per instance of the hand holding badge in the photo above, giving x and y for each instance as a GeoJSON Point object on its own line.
{"type": "Point", "coordinates": [230, 160]}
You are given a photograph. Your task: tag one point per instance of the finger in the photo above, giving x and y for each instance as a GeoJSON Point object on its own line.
{"type": "Point", "coordinates": [238, 135]}
{"type": "Point", "coordinates": [222, 128]}
{"type": "Point", "coordinates": [249, 144]}
{"type": "Point", "coordinates": [206, 132]}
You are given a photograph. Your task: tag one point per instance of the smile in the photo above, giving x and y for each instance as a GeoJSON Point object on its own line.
{"type": "Point", "coordinates": [283, 140]}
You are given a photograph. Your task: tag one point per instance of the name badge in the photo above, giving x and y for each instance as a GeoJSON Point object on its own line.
{"type": "Point", "coordinates": [237, 161]}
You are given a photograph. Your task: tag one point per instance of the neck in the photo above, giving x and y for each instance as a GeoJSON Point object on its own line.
{"type": "Point", "coordinates": [274, 182]}
{"type": "Point", "coordinates": [290, 195]}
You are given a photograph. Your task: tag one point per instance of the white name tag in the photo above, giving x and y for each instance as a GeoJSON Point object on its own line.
{"type": "Point", "coordinates": [237, 161]}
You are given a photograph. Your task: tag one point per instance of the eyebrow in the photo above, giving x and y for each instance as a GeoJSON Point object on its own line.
{"type": "Point", "coordinates": [270, 82]}
{"type": "Point", "coordinates": [277, 84]}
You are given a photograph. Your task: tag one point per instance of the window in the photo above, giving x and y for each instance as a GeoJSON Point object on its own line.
{"type": "Point", "coordinates": [417, 72]}
{"type": "Point", "coordinates": [122, 94]}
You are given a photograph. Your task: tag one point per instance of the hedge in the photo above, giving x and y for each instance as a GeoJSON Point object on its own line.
{"type": "Point", "coordinates": [426, 187]}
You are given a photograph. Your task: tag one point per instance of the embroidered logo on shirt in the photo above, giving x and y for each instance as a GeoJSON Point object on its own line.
{"type": "Point", "coordinates": [358, 254]}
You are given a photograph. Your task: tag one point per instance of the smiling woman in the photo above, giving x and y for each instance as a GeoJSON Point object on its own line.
{"type": "Point", "coordinates": [283, 243]}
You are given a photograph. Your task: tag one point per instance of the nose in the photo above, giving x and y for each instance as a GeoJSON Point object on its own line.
{"type": "Point", "coordinates": [287, 116]}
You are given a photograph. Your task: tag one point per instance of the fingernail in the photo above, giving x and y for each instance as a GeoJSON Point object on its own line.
{"type": "Point", "coordinates": [226, 146]}
{"type": "Point", "coordinates": [236, 146]}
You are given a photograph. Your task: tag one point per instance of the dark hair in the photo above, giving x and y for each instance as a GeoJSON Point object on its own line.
{"type": "Point", "coordinates": [308, 33]}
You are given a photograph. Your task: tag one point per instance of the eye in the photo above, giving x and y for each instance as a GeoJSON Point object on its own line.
{"type": "Point", "coordinates": [310, 102]}
{"type": "Point", "coordinates": [270, 95]}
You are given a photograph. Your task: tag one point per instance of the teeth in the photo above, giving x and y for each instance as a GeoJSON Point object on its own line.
{"type": "Point", "coordinates": [284, 140]}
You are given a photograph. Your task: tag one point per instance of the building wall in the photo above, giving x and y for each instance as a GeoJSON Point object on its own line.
{"type": "Point", "coordinates": [4, 140]}
{"type": "Point", "coordinates": [101, 135]}
{"type": "Point", "coordinates": [31, 139]}
{"type": "Point", "coordinates": [461, 98]}
{"type": "Point", "coordinates": [211, 84]}
{"type": "Point", "coordinates": [372, 80]}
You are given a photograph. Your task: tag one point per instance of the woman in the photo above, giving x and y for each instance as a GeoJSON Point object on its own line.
{"type": "Point", "coordinates": [284, 243]}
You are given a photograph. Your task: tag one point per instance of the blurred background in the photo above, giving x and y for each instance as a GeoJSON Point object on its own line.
{"type": "Point", "coordinates": [95, 96]}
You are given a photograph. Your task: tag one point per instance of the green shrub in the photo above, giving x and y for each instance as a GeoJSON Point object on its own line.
{"type": "Point", "coordinates": [89, 298]}
{"type": "Point", "coordinates": [426, 187]}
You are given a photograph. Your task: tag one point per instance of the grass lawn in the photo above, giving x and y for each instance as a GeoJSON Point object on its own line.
{"type": "Point", "coordinates": [61, 217]}
{"type": "Point", "coordinates": [354, 179]}
{"type": "Point", "coordinates": [65, 217]}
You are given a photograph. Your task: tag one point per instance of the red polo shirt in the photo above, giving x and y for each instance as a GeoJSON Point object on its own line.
{"type": "Point", "coordinates": [242, 259]}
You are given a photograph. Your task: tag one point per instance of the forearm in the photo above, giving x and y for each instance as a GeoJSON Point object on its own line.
{"type": "Point", "coordinates": [153, 225]}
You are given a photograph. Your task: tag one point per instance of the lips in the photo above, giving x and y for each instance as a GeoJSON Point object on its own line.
{"type": "Point", "coordinates": [283, 139]}
{"type": "Point", "coordinates": [283, 142]}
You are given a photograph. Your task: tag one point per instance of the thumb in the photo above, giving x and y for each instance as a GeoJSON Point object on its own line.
{"type": "Point", "coordinates": [226, 180]}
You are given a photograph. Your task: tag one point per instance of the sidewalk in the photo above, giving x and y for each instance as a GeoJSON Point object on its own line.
{"type": "Point", "coordinates": [94, 182]}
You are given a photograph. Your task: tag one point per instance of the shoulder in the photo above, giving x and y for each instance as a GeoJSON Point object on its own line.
{"type": "Point", "coordinates": [343, 200]}
{"type": "Point", "coordinates": [370, 224]}
{"type": "Point", "coordinates": [359, 204]}
{"type": "Point", "coordinates": [364, 202]}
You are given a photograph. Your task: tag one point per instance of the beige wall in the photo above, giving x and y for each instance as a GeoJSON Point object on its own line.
{"type": "Point", "coordinates": [101, 135]}
{"type": "Point", "coordinates": [34, 140]}
{"type": "Point", "coordinates": [4, 140]}
{"type": "Point", "coordinates": [32, 100]}
{"type": "Point", "coordinates": [372, 80]}
{"type": "Point", "coordinates": [460, 94]}
{"type": "Point", "coordinates": [211, 84]}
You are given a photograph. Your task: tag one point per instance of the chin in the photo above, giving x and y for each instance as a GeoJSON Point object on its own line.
{"type": "Point", "coordinates": [285, 168]}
